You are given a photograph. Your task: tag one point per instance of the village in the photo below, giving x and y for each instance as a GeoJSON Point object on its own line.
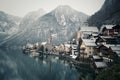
{"type": "Point", "coordinates": [100, 46]}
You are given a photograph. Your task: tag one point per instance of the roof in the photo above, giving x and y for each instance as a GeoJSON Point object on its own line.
{"type": "Point", "coordinates": [115, 48]}
{"type": "Point", "coordinates": [29, 45]}
{"type": "Point", "coordinates": [118, 53]}
{"type": "Point", "coordinates": [43, 43]}
{"type": "Point", "coordinates": [96, 57]}
{"type": "Point", "coordinates": [100, 64]}
{"type": "Point", "coordinates": [89, 29]}
{"type": "Point", "coordinates": [89, 42]}
{"type": "Point", "coordinates": [67, 45]}
{"type": "Point", "coordinates": [107, 26]}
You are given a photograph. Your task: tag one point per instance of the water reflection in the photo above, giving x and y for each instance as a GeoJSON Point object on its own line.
{"type": "Point", "coordinates": [17, 66]}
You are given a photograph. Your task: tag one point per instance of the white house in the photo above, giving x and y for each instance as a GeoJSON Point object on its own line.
{"type": "Point", "coordinates": [87, 31]}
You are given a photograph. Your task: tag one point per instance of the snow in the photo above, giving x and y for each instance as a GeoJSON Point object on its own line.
{"type": "Point", "coordinates": [43, 43]}
{"type": "Point", "coordinates": [100, 64]}
{"type": "Point", "coordinates": [89, 29]}
{"type": "Point", "coordinates": [29, 45]}
{"type": "Point", "coordinates": [96, 57]}
{"type": "Point", "coordinates": [89, 42]}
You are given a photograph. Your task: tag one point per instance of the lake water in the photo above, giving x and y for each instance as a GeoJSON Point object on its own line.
{"type": "Point", "coordinates": [14, 65]}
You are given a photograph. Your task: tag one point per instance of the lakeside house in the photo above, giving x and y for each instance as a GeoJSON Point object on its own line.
{"type": "Point", "coordinates": [98, 63]}
{"type": "Point", "coordinates": [47, 46]}
{"type": "Point", "coordinates": [90, 46]}
{"type": "Point", "coordinates": [87, 32]}
{"type": "Point", "coordinates": [110, 30]}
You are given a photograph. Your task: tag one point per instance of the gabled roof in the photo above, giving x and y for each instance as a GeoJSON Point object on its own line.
{"type": "Point", "coordinates": [89, 29]}
{"type": "Point", "coordinates": [96, 57]}
{"type": "Point", "coordinates": [89, 42]}
{"type": "Point", "coordinates": [100, 64]}
{"type": "Point", "coordinates": [106, 26]}
{"type": "Point", "coordinates": [43, 43]}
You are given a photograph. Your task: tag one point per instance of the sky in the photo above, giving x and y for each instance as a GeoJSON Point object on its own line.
{"type": "Point", "coordinates": [22, 7]}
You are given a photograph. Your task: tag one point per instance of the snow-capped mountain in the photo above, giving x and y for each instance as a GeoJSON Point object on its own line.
{"type": "Point", "coordinates": [60, 24]}
{"type": "Point", "coordinates": [8, 23]}
{"type": "Point", "coordinates": [29, 18]}
{"type": "Point", "coordinates": [63, 21]}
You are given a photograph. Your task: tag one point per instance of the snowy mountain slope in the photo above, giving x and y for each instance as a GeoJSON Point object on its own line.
{"type": "Point", "coordinates": [60, 23]}
{"type": "Point", "coordinates": [8, 23]}
{"type": "Point", "coordinates": [29, 18]}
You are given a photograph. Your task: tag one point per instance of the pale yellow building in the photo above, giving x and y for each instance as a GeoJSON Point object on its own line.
{"type": "Point", "coordinates": [89, 46]}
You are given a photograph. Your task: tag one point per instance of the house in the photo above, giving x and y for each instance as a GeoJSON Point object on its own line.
{"type": "Point", "coordinates": [87, 31]}
{"type": "Point", "coordinates": [115, 49]}
{"type": "Point", "coordinates": [98, 63]}
{"type": "Point", "coordinates": [96, 58]}
{"type": "Point", "coordinates": [98, 66]}
{"type": "Point", "coordinates": [64, 48]}
{"type": "Point", "coordinates": [111, 52]}
{"type": "Point", "coordinates": [89, 46]}
{"type": "Point", "coordinates": [47, 46]}
{"type": "Point", "coordinates": [102, 40]}
{"type": "Point", "coordinates": [110, 30]}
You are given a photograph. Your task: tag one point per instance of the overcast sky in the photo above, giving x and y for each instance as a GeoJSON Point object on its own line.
{"type": "Point", "coordinates": [22, 7]}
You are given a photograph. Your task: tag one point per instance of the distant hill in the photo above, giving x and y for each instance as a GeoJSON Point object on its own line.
{"type": "Point", "coordinates": [108, 14]}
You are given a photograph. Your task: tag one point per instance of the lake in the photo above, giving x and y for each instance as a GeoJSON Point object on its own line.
{"type": "Point", "coordinates": [14, 65]}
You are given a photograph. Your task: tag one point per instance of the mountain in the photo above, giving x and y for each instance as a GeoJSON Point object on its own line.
{"type": "Point", "coordinates": [58, 25]}
{"type": "Point", "coordinates": [108, 14]}
{"type": "Point", "coordinates": [29, 18]}
{"type": "Point", "coordinates": [8, 23]}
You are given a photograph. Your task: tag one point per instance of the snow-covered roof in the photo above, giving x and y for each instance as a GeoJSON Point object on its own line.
{"type": "Point", "coordinates": [28, 45]}
{"type": "Point", "coordinates": [87, 32]}
{"type": "Point", "coordinates": [95, 34]}
{"type": "Point", "coordinates": [89, 29]}
{"type": "Point", "coordinates": [113, 47]}
{"type": "Point", "coordinates": [43, 43]}
{"type": "Point", "coordinates": [118, 53]}
{"type": "Point", "coordinates": [100, 64]}
{"type": "Point", "coordinates": [67, 45]}
{"type": "Point", "coordinates": [107, 26]}
{"type": "Point", "coordinates": [96, 57]}
{"type": "Point", "coordinates": [89, 42]}
{"type": "Point", "coordinates": [116, 49]}
{"type": "Point", "coordinates": [74, 46]}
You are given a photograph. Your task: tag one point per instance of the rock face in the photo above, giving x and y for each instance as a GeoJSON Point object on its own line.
{"type": "Point", "coordinates": [108, 14]}
{"type": "Point", "coordinates": [29, 18]}
{"type": "Point", "coordinates": [8, 23]}
{"type": "Point", "coordinates": [57, 25]}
